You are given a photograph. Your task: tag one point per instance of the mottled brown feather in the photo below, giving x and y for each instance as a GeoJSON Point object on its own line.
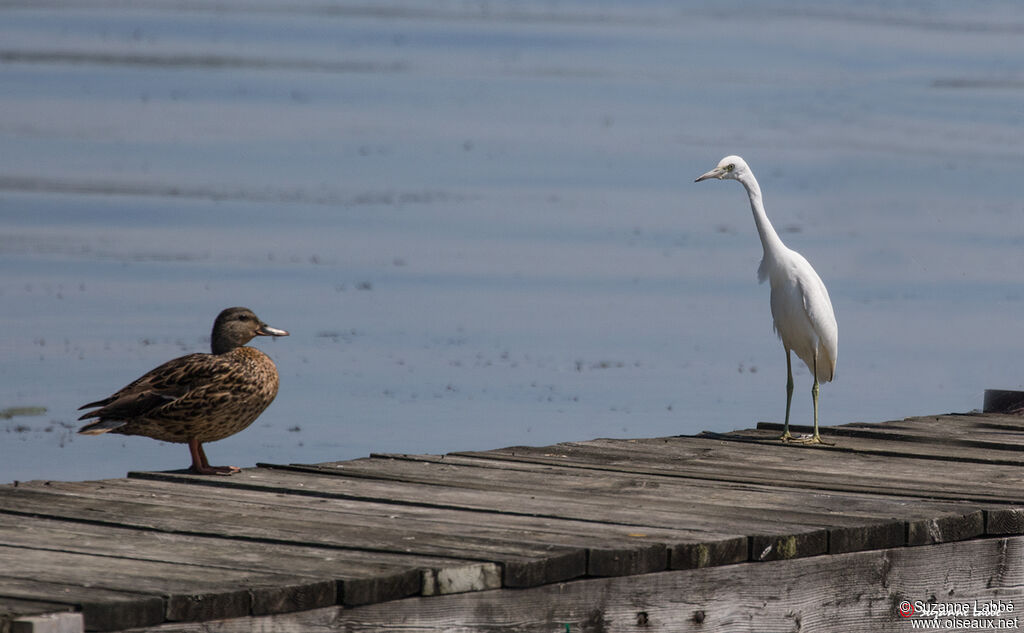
{"type": "Point", "coordinates": [203, 397]}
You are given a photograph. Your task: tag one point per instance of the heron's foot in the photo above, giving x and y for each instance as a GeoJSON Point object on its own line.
{"type": "Point", "coordinates": [787, 436]}
{"type": "Point", "coordinates": [215, 470]}
{"type": "Point", "coordinates": [811, 439]}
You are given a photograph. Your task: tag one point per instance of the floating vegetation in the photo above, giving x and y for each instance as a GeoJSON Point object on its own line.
{"type": "Point", "coordinates": [10, 412]}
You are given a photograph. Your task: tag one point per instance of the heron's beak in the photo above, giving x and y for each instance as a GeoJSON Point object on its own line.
{"type": "Point", "coordinates": [266, 330]}
{"type": "Point", "coordinates": [717, 172]}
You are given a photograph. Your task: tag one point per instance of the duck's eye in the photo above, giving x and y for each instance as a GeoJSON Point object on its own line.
{"type": "Point", "coordinates": [730, 167]}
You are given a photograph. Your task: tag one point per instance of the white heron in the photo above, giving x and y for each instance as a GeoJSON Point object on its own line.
{"type": "Point", "coordinates": [801, 309]}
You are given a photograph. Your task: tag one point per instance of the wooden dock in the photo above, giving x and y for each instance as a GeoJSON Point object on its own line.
{"type": "Point", "coordinates": [717, 532]}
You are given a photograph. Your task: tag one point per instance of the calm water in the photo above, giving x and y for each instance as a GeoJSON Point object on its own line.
{"type": "Point", "coordinates": [479, 221]}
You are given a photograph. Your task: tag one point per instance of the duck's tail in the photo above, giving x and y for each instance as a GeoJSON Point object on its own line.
{"type": "Point", "coordinates": [101, 426]}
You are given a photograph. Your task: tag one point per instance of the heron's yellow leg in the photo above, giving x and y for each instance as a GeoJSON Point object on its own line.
{"type": "Point", "coordinates": [816, 437]}
{"type": "Point", "coordinates": [814, 397]}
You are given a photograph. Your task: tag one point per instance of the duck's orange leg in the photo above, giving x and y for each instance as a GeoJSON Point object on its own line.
{"type": "Point", "coordinates": [201, 466]}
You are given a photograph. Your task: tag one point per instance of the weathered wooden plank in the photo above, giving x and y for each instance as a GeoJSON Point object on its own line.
{"type": "Point", "coordinates": [190, 592]}
{"type": "Point", "coordinates": [783, 465]}
{"type": "Point", "coordinates": [404, 498]}
{"type": "Point", "coordinates": [809, 594]}
{"type": "Point", "coordinates": [984, 431]}
{"type": "Point", "coordinates": [869, 444]}
{"type": "Point", "coordinates": [647, 496]}
{"type": "Point", "coordinates": [1003, 401]}
{"type": "Point", "coordinates": [967, 437]}
{"type": "Point", "coordinates": [45, 623]}
{"type": "Point", "coordinates": [946, 529]}
{"type": "Point", "coordinates": [765, 495]}
{"type": "Point", "coordinates": [1005, 431]}
{"type": "Point", "coordinates": [598, 508]}
{"type": "Point", "coordinates": [732, 509]}
{"type": "Point", "coordinates": [611, 550]}
{"type": "Point", "coordinates": [851, 522]}
{"type": "Point", "coordinates": [12, 609]}
{"type": "Point", "coordinates": [720, 550]}
{"type": "Point", "coordinates": [1004, 521]}
{"type": "Point", "coordinates": [294, 509]}
{"type": "Point", "coordinates": [983, 439]}
{"type": "Point", "coordinates": [843, 514]}
{"type": "Point", "coordinates": [746, 499]}
{"type": "Point", "coordinates": [362, 577]}
{"type": "Point", "coordinates": [803, 539]}
{"type": "Point", "coordinates": [709, 546]}
{"type": "Point", "coordinates": [522, 562]}
{"type": "Point", "coordinates": [103, 609]}
{"type": "Point", "coordinates": [438, 580]}
{"type": "Point", "coordinates": [606, 557]}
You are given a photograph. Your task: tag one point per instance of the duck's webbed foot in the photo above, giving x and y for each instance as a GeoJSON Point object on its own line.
{"type": "Point", "coordinates": [215, 470]}
{"type": "Point", "coordinates": [201, 466]}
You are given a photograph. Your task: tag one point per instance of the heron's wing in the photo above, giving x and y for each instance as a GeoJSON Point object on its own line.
{"type": "Point", "coordinates": [159, 388]}
{"type": "Point", "coordinates": [818, 307]}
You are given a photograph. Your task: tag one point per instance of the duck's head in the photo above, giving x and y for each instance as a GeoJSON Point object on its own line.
{"type": "Point", "coordinates": [235, 327]}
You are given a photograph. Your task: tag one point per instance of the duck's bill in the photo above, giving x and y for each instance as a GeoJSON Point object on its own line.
{"type": "Point", "coordinates": [266, 330]}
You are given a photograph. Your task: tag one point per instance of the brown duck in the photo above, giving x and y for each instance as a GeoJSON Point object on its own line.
{"type": "Point", "coordinates": [199, 397]}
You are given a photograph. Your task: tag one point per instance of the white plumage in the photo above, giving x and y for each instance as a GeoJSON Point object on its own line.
{"type": "Point", "coordinates": [801, 309]}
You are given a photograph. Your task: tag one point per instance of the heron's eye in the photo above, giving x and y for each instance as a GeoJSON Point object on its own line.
{"type": "Point", "coordinates": [729, 168]}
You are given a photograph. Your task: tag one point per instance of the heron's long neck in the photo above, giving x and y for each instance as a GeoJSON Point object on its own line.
{"type": "Point", "coordinates": [770, 240]}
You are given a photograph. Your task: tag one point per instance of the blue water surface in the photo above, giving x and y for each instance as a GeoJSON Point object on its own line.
{"type": "Point", "coordinates": [479, 221]}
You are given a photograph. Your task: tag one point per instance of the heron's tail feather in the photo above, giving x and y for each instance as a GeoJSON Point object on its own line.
{"type": "Point", "coordinates": [826, 365]}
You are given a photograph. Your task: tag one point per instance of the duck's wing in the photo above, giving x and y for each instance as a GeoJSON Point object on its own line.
{"type": "Point", "coordinates": [163, 386]}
